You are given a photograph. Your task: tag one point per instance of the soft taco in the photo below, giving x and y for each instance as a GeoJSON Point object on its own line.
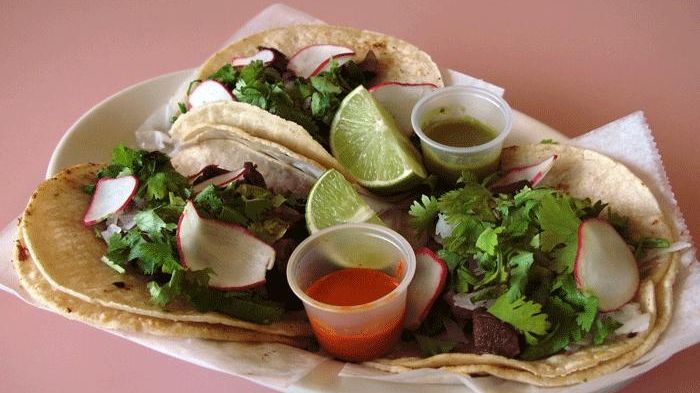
{"type": "Point", "coordinates": [125, 245]}
{"type": "Point", "coordinates": [300, 74]}
{"type": "Point", "coordinates": [581, 336]}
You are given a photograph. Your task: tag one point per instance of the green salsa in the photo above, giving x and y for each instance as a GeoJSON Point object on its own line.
{"type": "Point", "coordinates": [460, 132]}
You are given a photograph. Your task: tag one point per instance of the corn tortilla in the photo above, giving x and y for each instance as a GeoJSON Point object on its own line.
{"type": "Point", "coordinates": [95, 315]}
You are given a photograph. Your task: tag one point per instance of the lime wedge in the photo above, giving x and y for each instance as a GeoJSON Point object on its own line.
{"type": "Point", "coordinates": [332, 201]}
{"type": "Point", "coordinates": [366, 140]}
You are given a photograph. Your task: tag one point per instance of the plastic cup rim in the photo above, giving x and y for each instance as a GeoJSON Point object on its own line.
{"type": "Point", "coordinates": [409, 260]}
{"type": "Point", "coordinates": [456, 91]}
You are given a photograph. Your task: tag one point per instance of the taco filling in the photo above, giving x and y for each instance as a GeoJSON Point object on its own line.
{"type": "Point", "coordinates": [271, 84]}
{"type": "Point", "coordinates": [518, 263]}
{"type": "Point", "coordinates": [169, 227]}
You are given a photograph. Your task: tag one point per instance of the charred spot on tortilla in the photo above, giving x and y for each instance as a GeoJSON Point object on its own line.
{"type": "Point", "coordinates": [120, 284]}
{"type": "Point", "coordinates": [21, 251]}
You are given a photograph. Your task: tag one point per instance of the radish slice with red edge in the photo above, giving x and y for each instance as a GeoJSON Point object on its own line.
{"type": "Point", "coordinates": [265, 55]}
{"type": "Point", "coordinates": [309, 60]}
{"type": "Point", "coordinates": [399, 99]}
{"type": "Point", "coordinates": [207, 92]}
{"type": "Point", "coordinates": [210, 170]}
{"type": "Point", "coordinates": [326, 64]}
{"type": "Point", "coordinates": [238, 259]}
{"type": "Point", "coordinates": [605, 266]}
{"type": "Point", "coordinates": [111, 196]}
{"type": "Point", "coordinates": [529, 175]}
{"type": "Point", "coordinates": [220, 180]}
{"type": "Point", "coordinates": [426, 286]}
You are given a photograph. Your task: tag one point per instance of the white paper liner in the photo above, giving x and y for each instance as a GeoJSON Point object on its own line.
{"type": "Point", "coordinates": [278, 366]}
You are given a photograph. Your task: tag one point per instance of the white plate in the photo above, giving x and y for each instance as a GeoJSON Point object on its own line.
{"type": "Point", "coordinates": [114, 120]}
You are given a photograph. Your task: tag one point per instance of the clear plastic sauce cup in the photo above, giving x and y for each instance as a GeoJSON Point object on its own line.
{"type": "Point", "coordinates": [359, 332]}
{"type": "Point", "coordinates": [462, 102]}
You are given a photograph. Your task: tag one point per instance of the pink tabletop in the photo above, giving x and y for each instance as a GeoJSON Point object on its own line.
{"type": "Point", "coordinates": [572, 67]}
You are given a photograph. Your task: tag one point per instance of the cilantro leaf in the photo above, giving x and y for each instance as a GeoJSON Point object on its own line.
{"type": "Point", "coordinates": [226, 75]}
{"type": "Point", "coordinates": [432, 346]}
{"type": "Point", "coordinates": [118, 249]}
{"type": "Point", "coordinates": [126, 157]}
{"type": "Point", "coordinates": [526, 316]}
{"type": "Point", "coordinates": [451, 259]}
{"type": "Point", "coordinates": [118, 268]}
{"type": "Point", "coordinates": [520, 264]}
{"type": "Point", "coordinates": [564, 257]}
{"type": "Point", "coordinates": [148, 221]}
{"type": "Point", "coordinates": [162, 295]}
{"type": "Point", "coordinates": [619, 222]}
{"type": "Point", "coordinates": [209, 200]}
{"type": "Point", "coordinates": [464, 280]}
{"type": "Point", "coordinates": [152, 255]}
{"type": "Point", "coordinates": [488, 240]}
{"type": "Point", "coordinates": [423, 213]}
{"type": "Point", "coordinates": [602, 328]}
{"type": "Point", "coordinates": [558, 221]}
{"type": "Point", "coordinates": [648, 243]}
{"type": "Point", "coordinates": [473, 199]}
{"type": "Point", "coordinates": [587, 305]}
{"type": "Point", "coordinates": [325, 84]}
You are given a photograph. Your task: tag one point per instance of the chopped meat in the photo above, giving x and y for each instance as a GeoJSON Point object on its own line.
{"type": "Point", "coordinates": [279, 62]}
{"type": "Point", "coordinates": [461, 314]}
{"type": "Point", "coordinates": [209, 172]}
{"type": "Point", "coordinates": [491, 335]}
{"type": "Point", "coordinates": [465, 347]}
{"type": "Point", "coordinates": [252, 176]}
{"type": "Point", "coordinates": [277, 285]}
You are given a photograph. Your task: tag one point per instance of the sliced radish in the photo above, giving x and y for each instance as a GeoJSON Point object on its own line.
{"type": "Point", "coordinates": [220, 180]}
{"type": "Point", "coordinates": [399, 99]}
{"type": "Point", "coordinates": [529, 175]}
{"type": "Point", "coordinates": [208, 92]}
{"type": "Point", "coordinates": [265, 55]}
{"type": "Point", "coordinates": [110, 196]}
{"type": "Point", "coordinates": [238, 259]}
{"type": "Point", "coordinates": [605, 265]}
{"type": "Point", "coordinates": [428, 282]}
{"type": "Point", "coordinates": [208, 171]}
{"type": "Point", "coordinates": [310, 60]}
{"type": "Point", "coordinates": [326, 64]}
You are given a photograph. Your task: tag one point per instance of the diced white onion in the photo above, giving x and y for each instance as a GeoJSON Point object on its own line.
{"type": "Point", "coordinates": [111, 230]}
{"type": "Point", "coordinates": [126, 220]}
{"type": "Point", "coordinates": [464, 300]}
{"type": "Point", "coordinates": [657, 252]}
{"type": "Point", "coordinates": [443, 229]}
{"type": "Point", "coordinates": [631, 317]}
